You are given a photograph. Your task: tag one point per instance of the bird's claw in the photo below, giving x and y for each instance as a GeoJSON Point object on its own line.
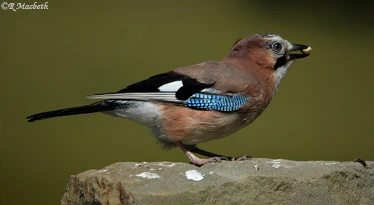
{"type": "Point", "coordinates": [200, 162]}
{"type": "Point", "coordinates": [241, 158]}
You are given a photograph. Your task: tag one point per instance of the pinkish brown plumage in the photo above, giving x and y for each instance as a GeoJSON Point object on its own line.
{"type": "Point", "coordinates": [202, 102]}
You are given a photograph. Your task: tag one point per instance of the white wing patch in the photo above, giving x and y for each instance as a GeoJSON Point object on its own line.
{"type": "Point", "coordinates": [163, 96]}
{"type": "Point", "coordinates": [211, 90]}
{"type": "Point", "coordinates": [170, 87]}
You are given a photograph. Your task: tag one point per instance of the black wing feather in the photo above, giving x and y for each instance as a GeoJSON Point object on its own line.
{"type": "Point", "coordinates": [190, 85]}
{"type": "Point", "coordinates": [153, 83]}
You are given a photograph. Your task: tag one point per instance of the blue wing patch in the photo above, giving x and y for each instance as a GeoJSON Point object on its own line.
{"type": "Point", "coordinates": [203, 101]}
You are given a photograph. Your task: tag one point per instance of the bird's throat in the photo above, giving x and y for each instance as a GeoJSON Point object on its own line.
{"type": "Point", "coordinates": [279, 74]}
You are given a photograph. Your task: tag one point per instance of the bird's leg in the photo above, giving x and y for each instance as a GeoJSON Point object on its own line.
{"type": "Point", "coordinates": [194, 159]}
{"type": "Point", "coordinates": [195, 149]}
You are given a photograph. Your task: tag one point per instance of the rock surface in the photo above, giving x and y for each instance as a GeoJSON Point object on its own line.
{"type": "Point", "coordinates": [255, 181]}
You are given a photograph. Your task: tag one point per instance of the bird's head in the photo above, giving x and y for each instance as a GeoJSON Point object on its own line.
{"type": "Point", "coordinates": [267, 53]}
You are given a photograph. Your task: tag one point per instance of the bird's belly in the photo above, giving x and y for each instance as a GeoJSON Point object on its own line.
{"type": "Point", "coordinates": [194, 126]}
{"type": "Point", "coordinates": [171, 123]}
{"type": "Point", "coordinates": [204, 135]}
{"type": "Point", "coordinates": [145, 113]}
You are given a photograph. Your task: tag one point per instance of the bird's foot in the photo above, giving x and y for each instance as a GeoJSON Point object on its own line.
{"type": "Point", "coordinates": [213, 157]}
{"type": "Point", "coordinates": [241, 158]}
{"type": "Point", "coordinates": [200, 162]}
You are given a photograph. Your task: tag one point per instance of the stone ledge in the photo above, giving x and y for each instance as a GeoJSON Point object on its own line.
{"type": "Point", "coordinates": [255, 181]}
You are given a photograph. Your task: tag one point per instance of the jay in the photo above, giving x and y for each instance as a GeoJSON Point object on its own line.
{"type": "Point", "coordinates": [202, 102]}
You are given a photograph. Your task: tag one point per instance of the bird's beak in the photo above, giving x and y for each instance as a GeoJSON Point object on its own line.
{"type": "Point", "coordinates": [305, 51]}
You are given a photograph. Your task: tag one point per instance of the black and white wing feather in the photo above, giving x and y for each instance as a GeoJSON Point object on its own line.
{"type": "Point", "coordinates": [178, 89]}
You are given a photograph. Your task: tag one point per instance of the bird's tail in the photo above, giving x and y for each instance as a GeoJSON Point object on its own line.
{"type": "Point", "coordinates": [95, 107]}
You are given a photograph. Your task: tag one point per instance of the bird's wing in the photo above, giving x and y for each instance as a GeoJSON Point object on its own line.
{"type": "Point", "coordinates": [195, 92]}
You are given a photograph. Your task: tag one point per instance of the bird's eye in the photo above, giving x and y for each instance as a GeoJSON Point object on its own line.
{"type": "Point", "coordinates": [276, 47]}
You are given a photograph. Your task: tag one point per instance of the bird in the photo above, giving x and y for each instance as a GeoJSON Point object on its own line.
{"type": "Point", "coordinates": [202, 102]}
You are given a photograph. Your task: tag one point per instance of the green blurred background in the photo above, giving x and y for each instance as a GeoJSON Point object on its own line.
{"type": "Point", "coordinates": [51, 59]}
